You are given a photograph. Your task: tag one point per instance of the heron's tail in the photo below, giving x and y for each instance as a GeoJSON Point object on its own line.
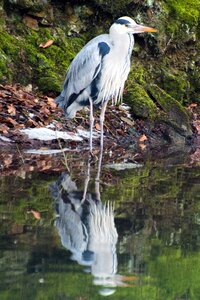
{"type": "Point", "coordinates": [60, 101]}
{"type": "Point", "coordinates": [101, 221]}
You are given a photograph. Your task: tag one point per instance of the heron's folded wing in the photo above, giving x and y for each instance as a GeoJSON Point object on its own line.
{"type": "Point", "coordinates": [85, 67]}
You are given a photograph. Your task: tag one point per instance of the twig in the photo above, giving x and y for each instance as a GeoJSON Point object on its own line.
{"type": "Point", "coordinates": [64, 155]}
{"type": "Point", "coordinates": [20, 154]}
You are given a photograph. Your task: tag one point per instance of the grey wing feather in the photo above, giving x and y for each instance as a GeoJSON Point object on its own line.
{"type": "Point", "coordinates": [83, 69]}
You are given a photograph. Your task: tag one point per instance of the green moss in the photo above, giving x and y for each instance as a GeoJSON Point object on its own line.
{"type": "Point", "coordinates": [138, 72]}
{"type": "Point", "coordinates": [141, 104]}
{"type": "Point", "coordinates": [25, 60]}
{"type": "Point", "coordinates": [138, 99]}
{"type": "Point", "coordinates": [9, 53]}
{"type": "Point", "coordinates": [8, 44]}
{"type": "Point", "coordinates": [184, 11]}
{"type": "Point", "coordinates": [49, 83]}
{"type": "Point", "coordinates": [3, 66]}
{"type": "Point", "coordinates": [175, 83]}
{"type": "Point", "coordinates": [180, 20]}
{"type": "Point", "coordinates": [51, 63]}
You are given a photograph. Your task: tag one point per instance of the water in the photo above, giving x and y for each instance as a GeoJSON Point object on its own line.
{"type": "Point", "coordinates": [148, 248]}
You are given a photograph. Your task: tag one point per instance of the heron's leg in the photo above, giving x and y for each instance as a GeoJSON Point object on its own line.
{"type": "Point", "coordinates": [87, 180]}
{"type": "Point", "coordinates": [97, 179]}
{"type": "Point", "coordinates": [91, 122]}
{"type": "Point", "coordinates": [102, 117]}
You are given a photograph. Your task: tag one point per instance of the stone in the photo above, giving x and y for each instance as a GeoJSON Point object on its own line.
{"type": "Point", "coordinates": [30, 22]}
{"type": "Point", "coordinates": [45, 17]}
{"type": "Point", "coordinates": [35, 5]}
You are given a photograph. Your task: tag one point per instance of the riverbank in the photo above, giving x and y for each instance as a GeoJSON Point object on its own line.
{"type": "Point", "coordinates": [34, 133]}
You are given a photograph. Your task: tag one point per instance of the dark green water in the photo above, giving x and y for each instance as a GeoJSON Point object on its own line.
{"type": "Point", "coordinates": [152, 250]}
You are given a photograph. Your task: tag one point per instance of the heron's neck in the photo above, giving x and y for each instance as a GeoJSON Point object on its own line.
{"type": "Point", "coordinates": [122, 43]}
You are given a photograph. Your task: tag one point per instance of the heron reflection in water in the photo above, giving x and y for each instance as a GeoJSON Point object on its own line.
{"type": "Point", "coordinates": [86, 228]}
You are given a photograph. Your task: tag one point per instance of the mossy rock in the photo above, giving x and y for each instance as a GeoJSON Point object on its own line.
{"type": "Point", "coordinates": [173, 112]}
{"type": "Point", "coordinates": [23, 61]}
{"type": "Point", "coordinates": [138, 73]}
{"type": "Point", "coordinates": [140, 102]}
{"type": "Point", "coordinates": [175, 83]}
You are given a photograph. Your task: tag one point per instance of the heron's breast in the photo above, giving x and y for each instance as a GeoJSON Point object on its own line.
{"type": "Point", "coordinates": [115, 69]}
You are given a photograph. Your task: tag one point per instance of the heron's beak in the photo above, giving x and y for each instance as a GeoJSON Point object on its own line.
{"type": "Point", "coordinates": [140, 28]}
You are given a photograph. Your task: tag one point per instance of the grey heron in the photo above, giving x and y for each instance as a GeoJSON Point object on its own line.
{"type": "Point", "coordinates": [99, 71]}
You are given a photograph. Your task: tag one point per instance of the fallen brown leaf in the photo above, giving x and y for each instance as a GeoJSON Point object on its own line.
{"type": "Point", "coordinates": [143, 138]}
{"type": "Point", "coordinates": [2, 94]}
{"type": "Point", "coordinates": [36, 100]}
{"type": "Point", "coordinates": [1, 107]}
{"type": "Point", "coordinates": [192, 105]}
{"type": "Point", "coordinates": [11, 110]}
{"type": "Point", "coordinates": [120, 131]}
{"type": "Point", "coordinates": [11, 121]}
{"type": "Point", "coordinates": [97, 126]}
{"type": "Point", "coordinates": [142, 146]}
{"type": "Point", "coordinates": [8, 160]}
{"type": "Point", "coordinates": [44, 110]}
{"type": "Point", "coordinates": [31, 123]}
{"type": "Point", "coordinates": [197, 125]}
{"type": "Point", "coordinates": [3, 128]}
{"type": "Point", "coordinates": [19, 126]}
{"type": "Point", "coordinates": [51, 102]}
{"type": "Point", "coordinates": [129, 278]}
{"type": "Point", "coordinates": [46, 44]}
{"type": "Point", "coordinates": [36, 214]}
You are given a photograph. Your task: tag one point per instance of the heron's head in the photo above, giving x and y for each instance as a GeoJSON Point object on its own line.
{"type": "Point", "coordinates": [128, 25]}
